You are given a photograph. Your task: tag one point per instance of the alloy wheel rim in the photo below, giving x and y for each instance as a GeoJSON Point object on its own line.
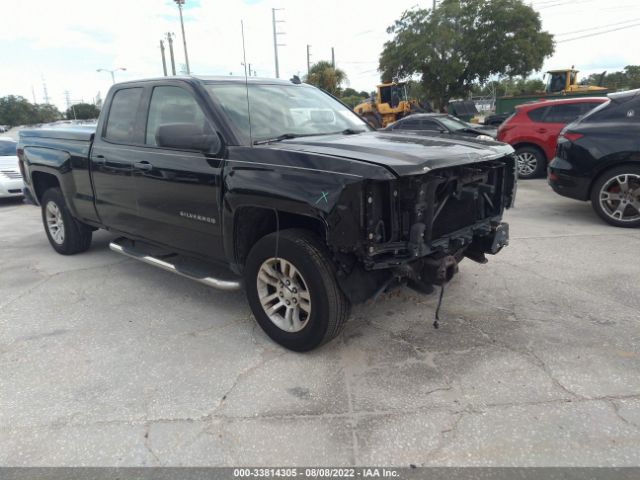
{"type": "Point", "coordinates": [620, 197]}
{"type": "Point", "coordinates": [55, 225]}
{"type": "Point", "coordinates": [527, 163]}
{"type": "Point", "coordinates": [284, 294]}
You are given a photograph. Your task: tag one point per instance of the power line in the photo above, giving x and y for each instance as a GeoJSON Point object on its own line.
{"type": "Point", "coordinates": [563, 3]}
{"type": "Point", "coordinates": [598, 27]}
{"type": "Point", "coordinates": [599, 33]}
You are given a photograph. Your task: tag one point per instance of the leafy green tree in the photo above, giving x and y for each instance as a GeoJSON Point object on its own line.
{"type": "Point", "coordinates": [45, 113]}
{"type": "Point", "coordinates": [352, 97]}
{"type": "Point", "coordinates": [16, 110]}
{"type": "Point", "coordinates": [82, 111]}
{"type": "Point", "coordinates": [349, 92]}
{"type": "Point", "coordinates": [324, 76]}
{"type": "Point", "coordinates": [510, 86]}
{"type": "Point", "coordinates": [627, 79]}
{"type": "Point", "coordinates": [464, 42]}
{"type": "Point", "coordinates": [352, 100]}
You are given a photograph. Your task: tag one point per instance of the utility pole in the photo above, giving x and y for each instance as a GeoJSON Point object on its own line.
{"type": "Point", "coordinates": [180, 3]}
{"type": "Point", "coordinates": [164, 60]}
{"type": "Point", "coordinates": [67, 97]}
{"type": "Point", "coordinates": [308, 59]}
{"type": "Point", "coordinates": [275, 38]}
{"type": "Point", "coordinates": [173, 62]}
{"type": "Point", "coordinates": [33, 93]}
{"type": "Point", "coordinates": [333, 59]}
{"type": "Point", "coordinates": [434, 4]}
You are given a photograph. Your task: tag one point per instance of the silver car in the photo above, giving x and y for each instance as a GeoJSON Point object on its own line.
{"type": "Point", "coordinates": [10, 177]}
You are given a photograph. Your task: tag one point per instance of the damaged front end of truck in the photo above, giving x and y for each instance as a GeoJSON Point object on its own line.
{"type": "Point", "coordinates": [416, 228]}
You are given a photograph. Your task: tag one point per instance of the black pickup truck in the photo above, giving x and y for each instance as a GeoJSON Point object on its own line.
{"type": "Point", "coordinates": [276, 183]}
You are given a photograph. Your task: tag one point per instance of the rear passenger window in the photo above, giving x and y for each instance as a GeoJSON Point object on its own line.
{"type": "Point", "coordinates": [537, 114]}
{"type": "Point", "coordinates": [566, 113]}
{"type": "Point", "coordinates": [412, 124]}
{"type": "Point", "coordinates": [122, 115]}
{"type": "Point", "coordinates": [171, 105]}
{"type": "Point", "coordinates": [430, 125]}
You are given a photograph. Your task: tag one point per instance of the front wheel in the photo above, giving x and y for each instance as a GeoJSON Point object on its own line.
{"type": "Point", "coordinates": [615, 196]}
{"type": "Point", "coordinates": [66, 235]}
{"type": "Point", "coordinates": [531, 162]}
{"type": "Point", "coordinates": [292, 290]}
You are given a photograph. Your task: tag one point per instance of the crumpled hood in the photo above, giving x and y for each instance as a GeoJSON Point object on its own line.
{"type": "Point", "coordinates": [404, 154]}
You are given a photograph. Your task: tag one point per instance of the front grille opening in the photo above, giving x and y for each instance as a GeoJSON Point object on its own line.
{"type": "Point", "coordinates": [470, 195]}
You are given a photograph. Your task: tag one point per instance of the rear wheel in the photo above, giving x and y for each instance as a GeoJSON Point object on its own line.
{"type": "Point", "coordinates": [615, 196]}
{"type": "Point", "coordinates": [66, 235]}
{"type": "Point", "coordinates": [531, 162]}
{"type": "Point", "coordinates": [293, 291]}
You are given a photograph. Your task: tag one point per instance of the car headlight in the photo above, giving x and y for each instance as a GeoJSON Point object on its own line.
{"type": "Point", "coordinates": [486, 138]}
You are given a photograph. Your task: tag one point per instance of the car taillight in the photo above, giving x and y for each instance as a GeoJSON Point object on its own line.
{"type": "Point", "coordinates": [571, 136]}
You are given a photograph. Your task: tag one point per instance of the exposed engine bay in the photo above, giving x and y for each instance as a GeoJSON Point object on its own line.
{"type": "Point", "coordinates": [418, 228]}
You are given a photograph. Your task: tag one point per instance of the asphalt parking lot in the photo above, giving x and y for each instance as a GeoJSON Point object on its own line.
{"type": "Point", "coordinates": [106, 361]}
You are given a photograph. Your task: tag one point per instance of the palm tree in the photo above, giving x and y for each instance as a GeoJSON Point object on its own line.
{"type": "Point", "coordinates": [323, 75]}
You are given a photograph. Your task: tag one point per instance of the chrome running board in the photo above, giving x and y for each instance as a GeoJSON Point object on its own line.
{"type": "Point", "coordinates": [196, 272]}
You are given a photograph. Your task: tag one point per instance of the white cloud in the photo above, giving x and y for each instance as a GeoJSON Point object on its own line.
{"type": "Point", "coordinates": [66, 41]}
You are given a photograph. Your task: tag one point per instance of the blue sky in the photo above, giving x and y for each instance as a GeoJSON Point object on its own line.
{"type": "Point", "coordinates": [66, 41]}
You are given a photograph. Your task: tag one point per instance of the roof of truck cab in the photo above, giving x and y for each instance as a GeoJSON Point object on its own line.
{"type": "Point", "coordinates": [213, 79]}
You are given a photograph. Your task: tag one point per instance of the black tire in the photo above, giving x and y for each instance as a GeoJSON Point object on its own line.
{"type": "Point", "coordinates": [372, 119]}
{"type": "Point", "coordinates": [606, 211]}
{"type": "Point", "coordinates": [534, 166]}
{"type": "Point", "coordinates": [76, 236]}
{"type": "Point", "coordinates": [329, 307]}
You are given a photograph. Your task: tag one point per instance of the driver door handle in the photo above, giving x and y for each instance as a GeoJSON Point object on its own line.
{"type": "Point", "coordinates": [144, 165]}
{"type": "Point", "coordinates": [99, 160]}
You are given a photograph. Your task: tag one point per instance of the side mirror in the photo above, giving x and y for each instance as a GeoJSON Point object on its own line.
{"type": "Point", "coordinates": [188, 136]}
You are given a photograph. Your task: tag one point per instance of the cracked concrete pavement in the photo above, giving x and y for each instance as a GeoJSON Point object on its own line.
{"type": "Point", "coordinates": [109, 362]}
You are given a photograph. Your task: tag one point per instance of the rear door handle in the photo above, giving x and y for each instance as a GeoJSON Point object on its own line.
{"type": "Point", "coordinates": [99, 159]}
{"type": "Point", "coordinates": [144, 165]}
{"type": "Point", "coordinates": [542, 130]}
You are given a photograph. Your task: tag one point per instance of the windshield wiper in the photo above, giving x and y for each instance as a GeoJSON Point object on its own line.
{"type": "Point", "coordinates": [287, 136]}
{"type": "Point", "coordinates": [351, 131]}
{"type": "Point", "coordinates": [279, 138]}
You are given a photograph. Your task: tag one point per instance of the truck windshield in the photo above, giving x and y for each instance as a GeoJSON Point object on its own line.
{"type": "Point", "coordinates": [283, 110]}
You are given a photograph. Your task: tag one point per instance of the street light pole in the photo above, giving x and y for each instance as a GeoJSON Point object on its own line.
{"type": "Point", "coordinates": [112, 72]}
{"type": "Point", "coordinates": [180, 3]}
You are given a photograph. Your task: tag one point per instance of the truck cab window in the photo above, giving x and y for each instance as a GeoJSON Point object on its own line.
{"type": "Point", "coordinates": [122, 115]}
{"type": "Point", "coordinates": [172, 105]}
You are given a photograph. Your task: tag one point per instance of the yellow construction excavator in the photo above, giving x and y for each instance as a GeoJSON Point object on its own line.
{"type": "Point", "coordinates": [389, 103]}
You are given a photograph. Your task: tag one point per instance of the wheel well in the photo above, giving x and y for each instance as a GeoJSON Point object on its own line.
{"type": "Point", "coordinates": [43, 182]}
{"type": "Point", "coordinates": [597, 176]}
{"type": "Point", "coordinates": [532, 145]}
{"type": "Point", "coordinates": [253, 223]}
